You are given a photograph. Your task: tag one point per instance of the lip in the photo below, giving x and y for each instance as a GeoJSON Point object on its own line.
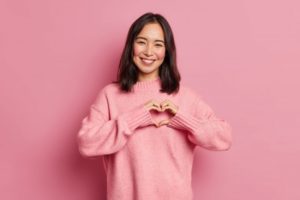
{"type": "Point", "coordinates": [147, 61]}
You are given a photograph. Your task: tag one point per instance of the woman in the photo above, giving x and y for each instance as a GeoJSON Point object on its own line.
{"type": "Point", "coordinates": [145, 125]}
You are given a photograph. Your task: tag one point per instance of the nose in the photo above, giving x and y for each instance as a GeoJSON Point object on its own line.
{"type": "Point", "coordinates": [148, 50]}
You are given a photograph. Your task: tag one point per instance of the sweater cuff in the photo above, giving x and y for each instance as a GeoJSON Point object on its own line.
{"type": "Point", "coordinates": [137, 117]}
{"type": "Point", "coordinates": [185, 121]}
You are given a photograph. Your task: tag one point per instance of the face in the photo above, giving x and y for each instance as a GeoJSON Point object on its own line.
{"type": "Point", "coordinates": [149, 51]}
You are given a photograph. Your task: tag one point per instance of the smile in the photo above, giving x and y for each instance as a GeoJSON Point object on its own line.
{"type": "Point", "coordinates": [147, 61]}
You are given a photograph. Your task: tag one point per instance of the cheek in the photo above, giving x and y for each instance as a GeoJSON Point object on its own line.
{"type": "Point", "coordinates": [136, 50]}
{"type": "Point", "coordinates": [161, 54]}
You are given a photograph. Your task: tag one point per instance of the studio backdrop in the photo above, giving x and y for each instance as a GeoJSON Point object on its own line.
{"type": "Point", "coordinates": [242, 56]}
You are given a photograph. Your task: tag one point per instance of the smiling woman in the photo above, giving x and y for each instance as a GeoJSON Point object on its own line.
{"type": "Point", "coordinates": [149, 51]}
{"type": "Point", "coordinates": [145, 125]}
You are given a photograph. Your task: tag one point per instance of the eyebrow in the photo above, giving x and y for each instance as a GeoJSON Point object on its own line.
{"type": "Point", "coordinates": [140, 37]}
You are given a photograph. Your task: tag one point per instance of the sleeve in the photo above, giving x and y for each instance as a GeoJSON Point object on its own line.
{"type": "Point", "coordinates": [100, 135]}
{"type": "Point", "coordinates": [203, 127]}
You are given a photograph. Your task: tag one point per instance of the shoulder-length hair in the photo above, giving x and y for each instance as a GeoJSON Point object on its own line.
{"type": "Point", "coordinates": [168, 72]}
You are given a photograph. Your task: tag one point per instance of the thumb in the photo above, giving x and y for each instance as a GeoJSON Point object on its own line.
{"type": "Point", "coordinates": [164, 122]}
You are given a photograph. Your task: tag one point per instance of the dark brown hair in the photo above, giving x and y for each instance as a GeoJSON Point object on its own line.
{"type": "Point", "coordinates": [168, 72]}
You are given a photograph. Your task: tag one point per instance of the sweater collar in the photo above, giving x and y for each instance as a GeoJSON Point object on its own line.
{"type": "Point", "coordinates": [148, 85]}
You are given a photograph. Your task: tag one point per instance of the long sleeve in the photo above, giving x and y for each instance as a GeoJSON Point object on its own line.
{"type": "Point", "coordinates": [204, 127]}
{"type": "Point", "coordinates": [100, 135]}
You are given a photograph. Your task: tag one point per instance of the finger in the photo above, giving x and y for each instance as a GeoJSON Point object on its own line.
{"type": "Point", "coordinates": [169, 108]}
{"type": "Point", "coordinates": [156, 124]}
{"type": "Point", "coordinates": [155, 106]}
{"type": "Point", "coordinates": [166, 103]}
{"type": "Point", "coordinates": [169, 105]}
{"type": "Point", "coordinates": [164, 122]}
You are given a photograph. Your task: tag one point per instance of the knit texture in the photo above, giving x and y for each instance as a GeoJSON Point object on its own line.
{"type": "Point", "coordinates": [142, 161]}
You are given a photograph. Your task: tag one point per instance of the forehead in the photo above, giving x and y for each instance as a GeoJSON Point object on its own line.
{"type": "Point", "coordinates": [152, 31]}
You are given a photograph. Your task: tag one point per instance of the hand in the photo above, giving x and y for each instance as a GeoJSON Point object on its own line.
{"type": "Point", "coordinates": [170, 106]}
{"type": "Point", "coordinates": [161, 123]}
{"type": "Point", "coordinates": [161, 107]}
{"type": "Point", "coordinates": [166, 105]}
{"type": "Point", "coordinates": [153, 105]}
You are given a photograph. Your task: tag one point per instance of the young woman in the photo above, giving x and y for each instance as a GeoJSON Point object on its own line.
{"type": "Point", "coordinates": [146, 125]}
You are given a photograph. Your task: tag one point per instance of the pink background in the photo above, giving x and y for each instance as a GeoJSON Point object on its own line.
{"type": "Point", "coordinates": [243, 56]}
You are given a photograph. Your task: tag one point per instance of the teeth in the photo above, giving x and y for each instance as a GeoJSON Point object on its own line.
{"type": "Point", "coordinates": [147, 61]}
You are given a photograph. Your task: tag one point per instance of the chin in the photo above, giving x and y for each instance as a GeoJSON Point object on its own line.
{"type": "Point", "coordinates": [145, 71]}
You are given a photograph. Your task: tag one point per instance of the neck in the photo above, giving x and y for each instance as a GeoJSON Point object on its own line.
{"type": "Point", "coordinates": [148, 85]}
{"type": "Point", "coordinates": [146, 77]}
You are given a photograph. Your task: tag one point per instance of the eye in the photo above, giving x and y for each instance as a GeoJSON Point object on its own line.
{"type": "Point", "coordinates": [140, 42]}
{"type": "Point", "coordinates": [159, 45]}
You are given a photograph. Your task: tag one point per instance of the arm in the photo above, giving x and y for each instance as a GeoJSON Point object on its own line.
{"type": "Point", "coordinates": [204, 127]}
{"type": "Point", "coordinates": [100, 135]}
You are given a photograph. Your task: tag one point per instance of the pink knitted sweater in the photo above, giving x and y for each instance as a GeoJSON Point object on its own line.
{"type": "Point", "coordinates": [143, 162]}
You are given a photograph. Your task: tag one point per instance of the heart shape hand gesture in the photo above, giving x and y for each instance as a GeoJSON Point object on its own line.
{"type": "Point", "coordinates": [166, 105]}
